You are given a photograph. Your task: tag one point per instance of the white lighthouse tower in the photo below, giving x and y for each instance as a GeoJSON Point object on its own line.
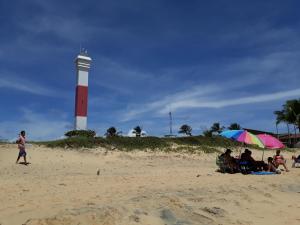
{"type": "Point", "coordinates": [83, 63]}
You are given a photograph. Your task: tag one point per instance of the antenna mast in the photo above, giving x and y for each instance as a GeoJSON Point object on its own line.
{"type": "Point", "coordinates": [171, 123]}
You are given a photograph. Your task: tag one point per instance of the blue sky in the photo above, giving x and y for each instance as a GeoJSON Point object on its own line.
{"type": "Point", "coordinates": [206, 61]}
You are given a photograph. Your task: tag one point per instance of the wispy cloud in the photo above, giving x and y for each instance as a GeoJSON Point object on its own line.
{"type": "Point", "coordinates": [204, 98]}
{"type": "Point", "coordinates": [118, 77]}
{"type": "Point", "coordinates": [228, 85]}
{"type": "Point", "coordinates": [20, 84]}
{"type": "Point", "coordinates": [39, 126]}
{"type": "Point", "coordinates": [203, 103]}
{"type": "Point", "coordinates": [70, 29]}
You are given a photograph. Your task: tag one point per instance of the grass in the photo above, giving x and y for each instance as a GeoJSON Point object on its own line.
{"type": "Point", "coordinates": [121, 143]}
{"type": "Point", "coordinates": [215, 141]}
{"type": "Point", "coordinates": [72, 142]}
{"type": "Point", "coordinates": [145, 143]}
{"type": "Point", "coordinates": [194, 144]}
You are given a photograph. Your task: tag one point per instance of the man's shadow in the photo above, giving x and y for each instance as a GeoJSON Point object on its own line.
{"type": "Point", "coordinates": [24, 163]}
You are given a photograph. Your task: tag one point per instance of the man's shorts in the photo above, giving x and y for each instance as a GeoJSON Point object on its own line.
{"type": "Point", "coordinates": [22, 153]}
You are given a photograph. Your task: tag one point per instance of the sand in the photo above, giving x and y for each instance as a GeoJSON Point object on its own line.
{"type": "Point", "coordinates": [62, 187]}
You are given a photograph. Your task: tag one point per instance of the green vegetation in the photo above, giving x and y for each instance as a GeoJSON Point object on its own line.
{"type": "Point", "coordinates": [185, 129]}
{"type": "Point", "coordinates": [208, 143]}
{"type": "Point", "coordinates": [121, 143]}
{"type": "Point", "coordinates": [192, 144]}
{"type": "Point", "coordinates": [81, 133]}
{"type": "Point", "coordinates": [138, 131]}
{"type": "Point", "coordinates": [216, 128]}
{"type": "Point", "coordinates": [214, 141]}
{"type": "Point", "coordinates": [234, 126]}
{"type": "Point", "coordinates": [111, 132]}
{"type": "Point", "coordinates": [290, 113]}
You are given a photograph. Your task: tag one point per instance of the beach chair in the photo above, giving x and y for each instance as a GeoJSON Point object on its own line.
{"type": "Point", "coordinates": [220, 162]}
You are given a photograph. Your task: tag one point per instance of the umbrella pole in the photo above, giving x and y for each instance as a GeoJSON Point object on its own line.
{"type": "Point", "coordinates": [242, 146]}
{"type": "Point", "coordinates": [262, 158]}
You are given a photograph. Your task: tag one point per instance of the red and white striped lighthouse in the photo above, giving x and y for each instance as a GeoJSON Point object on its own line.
{"type": "Point", "coordinates": [83, 63]}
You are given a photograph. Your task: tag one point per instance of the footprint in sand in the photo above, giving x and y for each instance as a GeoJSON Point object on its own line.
{"type": "Point", "coordinates": [170, 219]}
{"type": "Point", "coordinates": [215, 211]}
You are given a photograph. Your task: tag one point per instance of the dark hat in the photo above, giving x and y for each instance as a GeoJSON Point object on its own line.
{"type": "Point", "coordinates": [228, 150]}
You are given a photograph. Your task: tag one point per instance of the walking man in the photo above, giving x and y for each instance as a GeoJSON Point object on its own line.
{"type": "Point", "coordinates": [21, 146]}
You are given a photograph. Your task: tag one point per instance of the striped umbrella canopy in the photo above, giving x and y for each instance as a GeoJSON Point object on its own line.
{"type": "Point", "coordinates": [243, 136]}
{"type": "Point", "coordinates": [270, 141]}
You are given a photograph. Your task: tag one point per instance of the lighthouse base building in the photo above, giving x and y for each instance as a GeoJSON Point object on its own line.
{"type": "Point", "coordinates": [83, 63]}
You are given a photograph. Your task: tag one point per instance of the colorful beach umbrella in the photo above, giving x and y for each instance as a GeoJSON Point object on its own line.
{"type": "Point", "coordinates": [232, 134]}
{"type": "Point", "coordinates": [242, 136]}
{"type": "Point", "coordinates": [270, 141]}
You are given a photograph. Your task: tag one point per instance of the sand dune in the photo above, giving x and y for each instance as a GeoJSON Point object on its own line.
{"type": "Point", "coordinates": [62, 187]}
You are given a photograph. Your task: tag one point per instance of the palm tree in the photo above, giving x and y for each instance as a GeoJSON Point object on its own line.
{"type": "Point", "coordinates": [281, 116]}
{"type": "Point", "coordinates": [292, 109]}
{"type": "Point", "coordinates": [290, 114]}
{"type": "Point", "coordinates": [234, 126]}
{"type": "Point", "coordinates": [216, 128]}
{"type": "Point", "coordinates": [137, 130]}
{"type": "Point", "coordinates": [111, 132]}
{"type": "Point", "coordinates": [185, 129]}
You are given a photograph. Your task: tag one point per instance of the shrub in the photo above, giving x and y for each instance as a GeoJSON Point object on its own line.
{"type": "Point", "coordinates": [111, 132]}
{"type": "Point", "coordinates": [192, 144]}
{"type": "Point", "coordinates": [138, 131]}
{"type": "Point", "coordinates": [207, 133]}
{"type": "Point", "coordinates": [130, 143]}
{"type": "Point", "coordinates": [185, 129]}
{"type": "Point", "coordinates": [81, 133]}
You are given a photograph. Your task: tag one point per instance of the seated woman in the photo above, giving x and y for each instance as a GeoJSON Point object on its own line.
{"type": "Point", "coordinates": [295, 160]}
{"type": "Point", "coordinates": [271, 165]}
{"type": "Point", "coordinates": [252, 163]}
{"type": "Point", "coordinates": [227, 162]}
{"type": "Point", "coordinates": [279, 160]}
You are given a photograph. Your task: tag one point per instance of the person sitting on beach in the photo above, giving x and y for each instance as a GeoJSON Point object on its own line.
{"type": "Point", "coordinates": [279, 160]}
{"type": "Point", "coordinates": [229, 161]}
{"type": "Point", "coordinates": [295, 160]}
{"type": "Point", "coordinates": [252, 163]}
{"type": "Point", "coordinates": [21, 146]}
{"type": "Point", "coordinates": [271, 165]}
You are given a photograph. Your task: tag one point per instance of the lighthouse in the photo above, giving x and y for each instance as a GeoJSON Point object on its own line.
{"type": "Point", "coordinates": [83, 63]}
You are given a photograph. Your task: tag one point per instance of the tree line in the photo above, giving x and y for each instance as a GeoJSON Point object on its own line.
{"type": "Point", "coordinates": [289, 114]}
{"type": "Point", "coordinates": [185, 129]}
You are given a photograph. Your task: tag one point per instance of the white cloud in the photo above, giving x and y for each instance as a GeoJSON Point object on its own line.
{"type": "Point", "coordinates": [202, 103]}
{"type": "Point", "coordinates": [25, 86]}
{"type": "Point", "coordinates": [70, 29]}
{"type": "Point", "coordinates": [38, 126]}
{"type": "Point", "coordinates": [204, 98]}
{"type": "Point", "coordinates": [167, 101]}
{"type": "Point", "coordinates": [229, 84]}
{"type": "Point", "coordinates": [20, 84]}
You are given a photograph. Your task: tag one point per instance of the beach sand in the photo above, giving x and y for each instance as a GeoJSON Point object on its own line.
{"type": "Point", "coordinates": [62, 187]}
